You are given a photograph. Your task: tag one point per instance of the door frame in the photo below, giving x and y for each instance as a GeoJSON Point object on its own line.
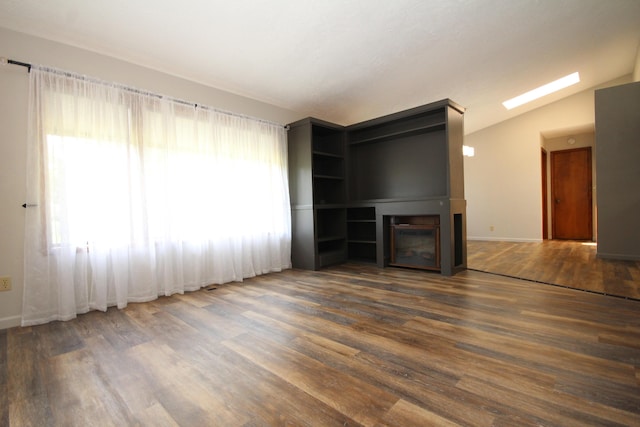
{"type": "Point", "coordinates": [545, 203]}
{"type": "Point", "coordinates": [590, 174]}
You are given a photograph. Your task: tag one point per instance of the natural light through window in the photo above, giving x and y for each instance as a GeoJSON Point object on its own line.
{"type": "Point", "coordinates": [93, 188]}
{"type": "Point", "coordinates": [87, 181]}
{"type": "Point", "coordinates": [134, 195]}
{"type": "Point", "coordinates": [541, 91]}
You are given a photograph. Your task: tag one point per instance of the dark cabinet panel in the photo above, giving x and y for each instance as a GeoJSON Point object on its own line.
{"type": "Point", "coordinates": [407, 167]}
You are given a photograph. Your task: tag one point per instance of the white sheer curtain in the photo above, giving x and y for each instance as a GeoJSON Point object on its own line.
{"type": "Point", "coordinates": [137, 196]}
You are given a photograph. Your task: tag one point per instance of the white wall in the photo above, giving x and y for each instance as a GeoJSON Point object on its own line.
{"type": "Point", "coordinates": [503, 179]}
{"type": "Point", "coordinates": [13, 129]}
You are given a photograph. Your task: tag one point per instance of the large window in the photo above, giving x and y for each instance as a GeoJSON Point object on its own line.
{"type": "Point", "coordinates": [138, 196]}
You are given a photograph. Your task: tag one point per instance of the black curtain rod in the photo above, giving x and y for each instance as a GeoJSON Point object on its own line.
{"type": "Point", "coordinates": [22, 64]}
{"type": "Point", "coordinates": [28, 67]}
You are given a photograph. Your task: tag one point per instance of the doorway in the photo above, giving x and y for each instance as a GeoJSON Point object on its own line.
{"type": "Point", "coordinates": [571, 194]}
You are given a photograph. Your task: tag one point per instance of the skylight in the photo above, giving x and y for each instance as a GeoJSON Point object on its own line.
{"type": "Point", "coordinates": [541, 91]}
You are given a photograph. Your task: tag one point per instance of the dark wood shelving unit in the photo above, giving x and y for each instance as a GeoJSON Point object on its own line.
{"type": "Point", "coordinates": [349, 182]}
{"type": "Point", "coordinates": [317, 175]}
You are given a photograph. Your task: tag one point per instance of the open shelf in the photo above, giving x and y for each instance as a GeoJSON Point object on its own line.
{"type": "Point", "coordinates": [331, 165]}
{"type": "Point", "coordinates": [364, 231]}
{"type": "Point", "coordinates": [329, 257]}
{"type": "Point", "coordinates": [327, 140]}
{"type": "Point", "coordinates": [361, 233]}
{"type": "Point", "coordinates": [328, 190]}
{"type": "Point", "coordinates": [364, 214]}
{"type": "Point", "coordinates": [362, 251]}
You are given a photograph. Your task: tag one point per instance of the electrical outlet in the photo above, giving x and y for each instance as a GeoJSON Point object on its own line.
{"type": "Point", "coordinates": [5, 283]}
{"type": "Point", "coordinates": [491, 228]}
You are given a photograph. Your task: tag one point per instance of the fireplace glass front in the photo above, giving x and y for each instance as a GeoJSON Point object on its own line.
{"type": "Point", "coordinates": [416, 246]}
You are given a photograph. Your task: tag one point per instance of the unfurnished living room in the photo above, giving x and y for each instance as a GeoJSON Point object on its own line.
{"type": "Point", "coordinates": [339, 212]}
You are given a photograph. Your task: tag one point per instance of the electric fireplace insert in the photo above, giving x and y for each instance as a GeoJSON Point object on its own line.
{"type": "Point", "coordinates": [415, 242]}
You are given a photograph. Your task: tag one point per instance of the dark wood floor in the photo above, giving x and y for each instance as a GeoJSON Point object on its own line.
{"type": "Point", "coordinates": [346, 346]}
{"type": "Point", "coordinates": [564, 263]}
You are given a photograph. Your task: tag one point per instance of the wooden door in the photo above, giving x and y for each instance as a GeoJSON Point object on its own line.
{"type": "Point", "coordinates": [571, 207]}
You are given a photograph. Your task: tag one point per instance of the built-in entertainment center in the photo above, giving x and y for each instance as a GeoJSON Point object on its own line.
{"type": "Point", "coordinates": [388, 190]}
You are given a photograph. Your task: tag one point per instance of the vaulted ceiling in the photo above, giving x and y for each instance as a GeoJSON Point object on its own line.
{"type": "Point", "coordinates": [351, 60]}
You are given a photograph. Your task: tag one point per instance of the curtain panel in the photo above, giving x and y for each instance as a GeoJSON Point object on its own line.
{"type": "Point", "coordinates": [137, 196]}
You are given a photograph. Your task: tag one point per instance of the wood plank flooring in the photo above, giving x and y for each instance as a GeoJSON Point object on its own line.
{"type": "Point", "coordinates": [346, 346]}
{"type": "Point", "coordinates": [559, 262]}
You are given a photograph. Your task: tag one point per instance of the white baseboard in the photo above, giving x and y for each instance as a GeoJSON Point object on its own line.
{"type": "Point", "coordinates": [504, 239]}
{"type": "Point", "coordinates": [9, 322]}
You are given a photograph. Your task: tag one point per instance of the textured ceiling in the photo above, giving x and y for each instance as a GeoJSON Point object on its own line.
{"type": "Point", "coordinates": [351, 60]}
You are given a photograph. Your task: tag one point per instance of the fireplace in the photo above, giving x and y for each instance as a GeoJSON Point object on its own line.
{"type": "Point", "coordinates": [415, 241]}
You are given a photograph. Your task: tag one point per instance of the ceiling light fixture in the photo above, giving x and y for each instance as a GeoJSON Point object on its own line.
{"type": "Point", "coordinates": [554, 86]}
